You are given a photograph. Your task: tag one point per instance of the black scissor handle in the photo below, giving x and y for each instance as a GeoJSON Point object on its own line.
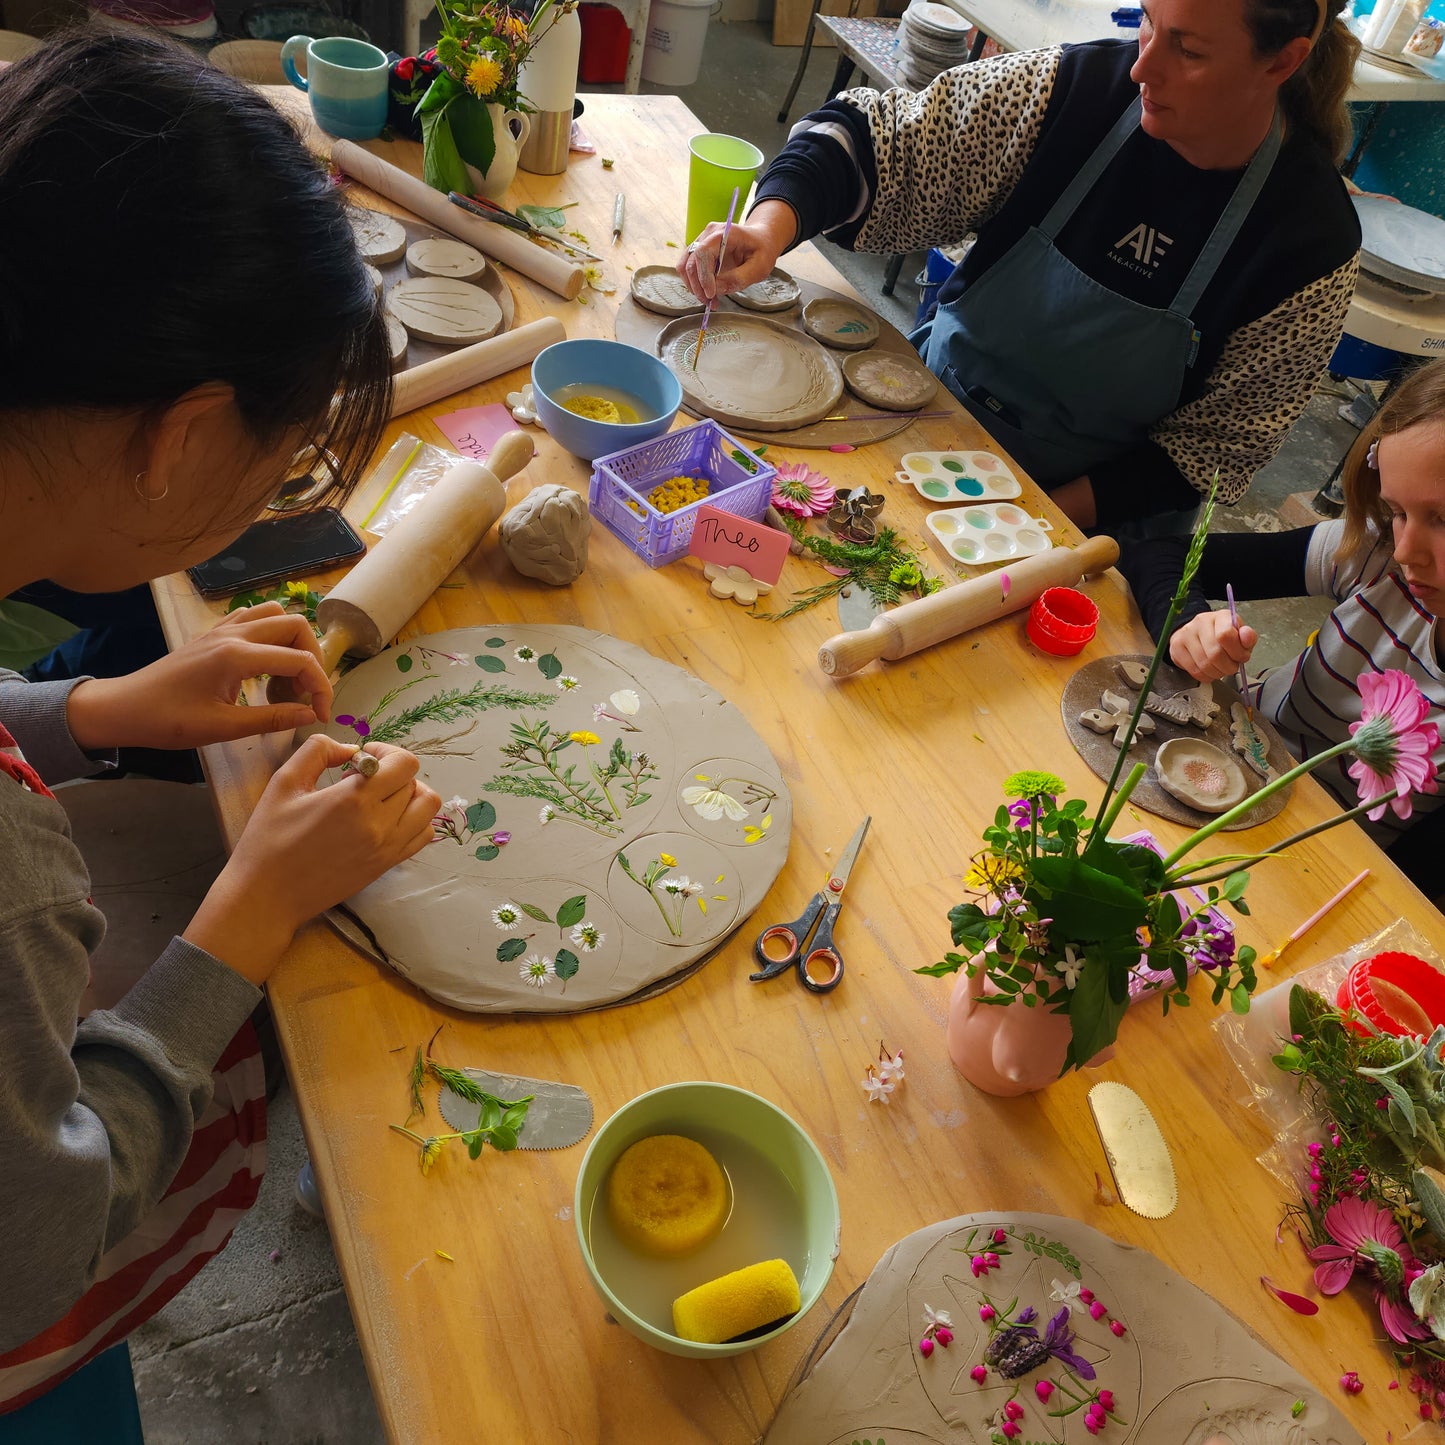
{"type": "Point", "coordinates": [792, 934]}
{"type": "Point", "coordinates": [824, 952]}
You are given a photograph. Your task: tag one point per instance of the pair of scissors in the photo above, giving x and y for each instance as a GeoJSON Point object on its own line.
{"type": "Point", "coordinates": [821, 914]}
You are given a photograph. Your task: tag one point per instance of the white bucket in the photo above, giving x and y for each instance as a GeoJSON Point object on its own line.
{"type": "Point", "coordinates": [676, 30]}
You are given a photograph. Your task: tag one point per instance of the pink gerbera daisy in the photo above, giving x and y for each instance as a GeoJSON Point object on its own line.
{"type": "Point", "coordinates": [1394, 745]}
{"type": "Point", "coordinates": [1367, 1236]}
{"type": "Point", "coordinates": [798, 489]}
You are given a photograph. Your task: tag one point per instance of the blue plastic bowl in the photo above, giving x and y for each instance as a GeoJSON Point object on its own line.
{"type": "Point", "coordinates": [609, 363]}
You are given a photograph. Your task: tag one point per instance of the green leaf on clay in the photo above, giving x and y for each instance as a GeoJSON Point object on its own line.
{"type": "Point", "coordinates": [496, 642]}
{"type": "Point", "coordinates": [487, 852]}
{"type": "Point", "coordinates": [490, 664]}
{"type": "Point", "coordinates": [572, 911]}
{"type": "Point", "coordinates": [480, 816]}
{"type": "Point", "coordinates": [566, 964]}
{"type": "Point", "coordinates": [549, 666]}
{"type": "Point", "coordinates": [403, 662]}
{"type": "Point", "coordinates": [532, 911]}
{"type": "Point", "coordinates": [511, 950]}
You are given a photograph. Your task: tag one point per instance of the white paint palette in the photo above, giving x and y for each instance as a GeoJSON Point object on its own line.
{"type": "Point", "coordinates": [994, 532]}
{"type": "Point", "coordinates": [959, 476]}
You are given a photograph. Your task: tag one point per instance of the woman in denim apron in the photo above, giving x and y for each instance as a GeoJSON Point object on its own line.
{"type": "Point", "coordinates": [1064, 371]}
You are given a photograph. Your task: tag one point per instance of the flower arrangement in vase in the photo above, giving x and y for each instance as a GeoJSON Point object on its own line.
{"type": "Point", "coordinates": [470, 106]}
{"type": "Point", "coordinates": [1065, 923]}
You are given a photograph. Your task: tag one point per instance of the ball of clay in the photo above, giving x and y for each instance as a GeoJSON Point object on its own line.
{"type": "Point", "coordinates": [545, 534]}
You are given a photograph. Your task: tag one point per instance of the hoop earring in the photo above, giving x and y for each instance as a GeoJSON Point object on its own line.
{"type": "Point", "coordinates": [140, 490]}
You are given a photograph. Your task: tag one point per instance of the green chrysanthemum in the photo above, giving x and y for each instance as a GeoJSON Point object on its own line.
{"type": "Point", "coordinates": [1033, 783]}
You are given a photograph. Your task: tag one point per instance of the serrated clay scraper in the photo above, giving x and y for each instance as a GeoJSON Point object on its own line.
{"type": "Point", "coordinates": [1138, 1156]}
{"type": "Point", "coordinates": [560, 1114]}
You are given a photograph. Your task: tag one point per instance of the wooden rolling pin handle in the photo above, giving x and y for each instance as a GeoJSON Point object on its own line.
{"type": "Point", "coordinates": [970, 604]}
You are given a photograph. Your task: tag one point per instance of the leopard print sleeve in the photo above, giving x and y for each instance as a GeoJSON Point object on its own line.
{"type": "Point", "coordinates": [1265, 375]}
{"type": "Point", "coordinates": [948, 156]}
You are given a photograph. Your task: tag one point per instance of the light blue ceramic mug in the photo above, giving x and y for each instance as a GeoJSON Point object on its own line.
{"type": "Point", "coordinates": [346, 80]}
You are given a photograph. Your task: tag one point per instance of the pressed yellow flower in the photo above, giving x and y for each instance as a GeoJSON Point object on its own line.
{"type": "Point", "coordinates": [989, 871]}
{"type": "Point", "coordinates": [585, 738]}
{"type": "Point", "coordinates": [442, 1254]}
{"type": "Point", "coordinates": [429, 1152]}
{"type": "Point", "coordinates": [299, 590]}
{"type": "Point", "coordinates": [667, 859]}
{"type": "Point", "coordinates": [484, 75]}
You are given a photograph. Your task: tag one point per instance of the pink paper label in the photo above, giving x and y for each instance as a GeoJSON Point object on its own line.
{"type": "Point", "coordinates": [474, 431]}
{"type": "Point", "coordinates": [720, 537]}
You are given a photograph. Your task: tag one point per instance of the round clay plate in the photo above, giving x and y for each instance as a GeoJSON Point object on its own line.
{"type": "Point", "coordinates": [773, 293]}
{"type": "Point", "coordinates": [753, 372]}
{"type": "Point", "coordinates": [1199, 775]}
{"type": "Point", "coordinates": [436, 308]}
{"type": "Point", "coordinates": [840, 324]}
{"type": "Point", "coordinates": [661, 289]}
{"type": "Point", "coordinates": [441, 256]}
{"type": "Point", "coordinates": [609, 818]}
{"type": "Point", "coordinates": [380, 239]}
{"type": "Point", "coordinates": [883, 378]}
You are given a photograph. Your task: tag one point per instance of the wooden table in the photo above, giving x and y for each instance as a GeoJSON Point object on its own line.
{"type": "Point", "coordinates": [509, 1342]}
{"type": "Point", "coordinates": [1031, 24]}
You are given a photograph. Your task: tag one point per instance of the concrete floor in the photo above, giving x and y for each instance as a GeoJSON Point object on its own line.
{"type": "Point", "coordinates": [259, 1350]}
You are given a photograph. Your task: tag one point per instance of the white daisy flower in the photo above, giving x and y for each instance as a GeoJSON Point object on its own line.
{"type": "Point", "coordinates": [567, 682]}
{"type": "Point", "coordinates": [587, 936]}
{"type": "Point", "coordinates": [675, 885]}
{"type": "Point", "coordinates": [547, 814]}
{"type": "Point", "coordinates": [507, 916]}
{"type": "Point", "coordinates": [537, 970]}
{"type": "Point", "coordinates": [525, 654]}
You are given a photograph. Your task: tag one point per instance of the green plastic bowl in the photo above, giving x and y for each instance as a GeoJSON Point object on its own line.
{"type": "Point", "coordinates": [722, 1109]}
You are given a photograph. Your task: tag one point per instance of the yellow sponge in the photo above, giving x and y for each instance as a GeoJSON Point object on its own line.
{"type": "Point", "coordinates": [739, 1302]}
{"type": "Point", "coordinates": [667, 1195]}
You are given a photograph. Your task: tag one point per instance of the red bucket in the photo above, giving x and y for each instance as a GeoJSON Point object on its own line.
{"type": "Point", "coordinates": [1399, 993]}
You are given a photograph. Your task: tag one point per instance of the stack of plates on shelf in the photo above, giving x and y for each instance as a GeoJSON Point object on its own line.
{"type": "Point", "coordinates": [931, 38]}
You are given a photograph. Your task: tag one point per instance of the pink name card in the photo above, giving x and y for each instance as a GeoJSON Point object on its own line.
{"type": "Point", "coordinates": [720, 537]}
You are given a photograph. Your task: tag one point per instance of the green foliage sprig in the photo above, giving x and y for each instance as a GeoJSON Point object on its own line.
{"type": "Point", "coordinates": [499, 1124]}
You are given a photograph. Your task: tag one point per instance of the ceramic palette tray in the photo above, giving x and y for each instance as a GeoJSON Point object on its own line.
{"type": "Point", "coordinates": [959, 476]}
{"type": "Point", "coordinates": [993, 532]}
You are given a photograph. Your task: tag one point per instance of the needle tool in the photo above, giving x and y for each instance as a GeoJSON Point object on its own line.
{"type": "Point", "coordinates": [619, 208]}
{"type": "Point", "coordinates": [721, 256]}
{"type": "Point", "coordinates": [1269, 959]}
{"type": "Point", "coordinates": [1243, 680]}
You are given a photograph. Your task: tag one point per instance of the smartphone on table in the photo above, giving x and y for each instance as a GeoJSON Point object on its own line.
{"type": "Point", "coordinates": [270, 551]}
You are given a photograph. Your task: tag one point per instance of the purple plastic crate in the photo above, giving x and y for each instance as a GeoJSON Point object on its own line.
{"type": "Point", "coordinates": [704, 450]}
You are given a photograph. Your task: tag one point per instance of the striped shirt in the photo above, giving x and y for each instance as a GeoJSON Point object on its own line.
{"type": "Point", "coordinates": [1376, 625]}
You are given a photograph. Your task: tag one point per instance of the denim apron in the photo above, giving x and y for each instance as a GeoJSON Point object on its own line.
{"type": "Point", "coordinates": [1062, 371]}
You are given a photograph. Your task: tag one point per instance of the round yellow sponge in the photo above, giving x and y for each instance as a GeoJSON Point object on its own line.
{"type": "Point", "coordinates": [667, 1195]}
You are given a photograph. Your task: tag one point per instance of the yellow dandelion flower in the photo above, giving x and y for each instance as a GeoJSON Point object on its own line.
{"type": "Point", "coordinates": [429, 1152]}
{"type": "Point", "coordinates": [298, 590]}
{"type": "Point", "coordinates": [484, 75]}
{"type": "Point", "coordinates": [585, 738]}
{"type": "Point", "coordinates": [991, 871]}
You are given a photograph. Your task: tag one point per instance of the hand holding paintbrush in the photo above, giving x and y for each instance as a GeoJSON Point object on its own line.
{"type": "Point", "coordinates": [721, 257]}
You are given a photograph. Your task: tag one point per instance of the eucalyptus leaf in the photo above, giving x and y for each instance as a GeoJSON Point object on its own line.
{"type": "Point", "coordinates": [404, 662]}
{"type": "Point", "coordinates": [549, 666]}
{"type": "Point", "coordinates": [511, 950]}
{"type": "Point", "coordinates": [480, 816]}
{"type": "Point", "coordinates": [496, 642]}
{"type": "Point", "coordinates": [490, 664]}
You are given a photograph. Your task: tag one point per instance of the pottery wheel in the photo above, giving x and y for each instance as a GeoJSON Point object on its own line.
{"type": "Point", "coordinates": [661, 289]}
{"type": "Point", "coordinates": [437, 308]}
{"type": "Point", "coordinates": [775, 292]}
{"type": "Point", "coordinates": [863, 423]}
{"type": "Point", "coordinates": [751, 371]}
{"type": "Point", "coordinates": [611, 815]}
{"type": "Point", "coordinates": [441, 256]}
{"type": "Point", "coordinates": [380, 239]}
{"type": "Point", "coordinates": [840, 324]}
{"type": "Point", "coordinates": [1084, 691]}
{"type": "Point", "coordinates": [1185, 1371]}
{"type": "Point", "coordinates": [883, 378]}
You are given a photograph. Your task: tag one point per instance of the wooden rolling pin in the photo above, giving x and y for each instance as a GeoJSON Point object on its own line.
{"type": "Point", "coordinates": [387, 588]}
{"type": "Point", "coordinates": [474, 364]}
{"type": "Point", "coordinates": [554, 272]}
{"type": "Point", "coordinates": [959, 609]}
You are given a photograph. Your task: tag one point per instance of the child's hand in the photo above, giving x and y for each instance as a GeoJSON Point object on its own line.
{"type": "Point", "coordinates": [306, 848]}
{"type": "Point", "coordinates": [1210, 646]}
{"type": "Point", "coordinates": [188, 698]}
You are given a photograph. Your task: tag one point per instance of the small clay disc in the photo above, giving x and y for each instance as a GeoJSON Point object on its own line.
{"type": "Point", "coordinates": [839, 323]}
{"type": "Point", "coordinates": [661, 289]}
{"type": "Point", "coordinates": [1200, 775]}
{"type": "Point", "coordinates": [396, 338]}
{"type": "Point", "coordinates": [378, 281]}
{"type": "Point", "coordinates": [380, 239]}
{"type": "Point", "coordinates": [439, 256]}
{"type": "Point", "coordinates": [889, 380]}
{"type": "Point", "coordinates": [775, 292]}
{"type": "Point", "coordinates": [436, 308]}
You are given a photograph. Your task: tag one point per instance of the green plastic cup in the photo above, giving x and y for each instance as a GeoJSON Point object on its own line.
{"type": "Point", "coordinates": [719, 162]}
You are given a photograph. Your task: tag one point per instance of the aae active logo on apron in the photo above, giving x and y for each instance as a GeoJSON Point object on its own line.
{"type": "Point", "coordinates": [1147, 245]}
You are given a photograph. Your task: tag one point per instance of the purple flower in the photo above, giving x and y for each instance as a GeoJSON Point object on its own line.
{"type": "Point", "coordinates": [1025, 811]}
{"type": "Point", "coordinates": [1018, 1349]}
{"type": "Point", "coordinates": [501, 839]}
{"type": "Point", "coordinates": [1059, 1340]}
{"type": "Point", "coordinates": [358, 725]}
{"type": "Point", "coordinates": [1209, 941]}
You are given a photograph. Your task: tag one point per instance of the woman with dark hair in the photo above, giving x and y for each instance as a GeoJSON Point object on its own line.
{"type": "Point", "coordinates": [182, 309]}
{"type": "Point", "coordinates": [1382, 565]}
{"type": "Point", "coordinates": [1165, 252]}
